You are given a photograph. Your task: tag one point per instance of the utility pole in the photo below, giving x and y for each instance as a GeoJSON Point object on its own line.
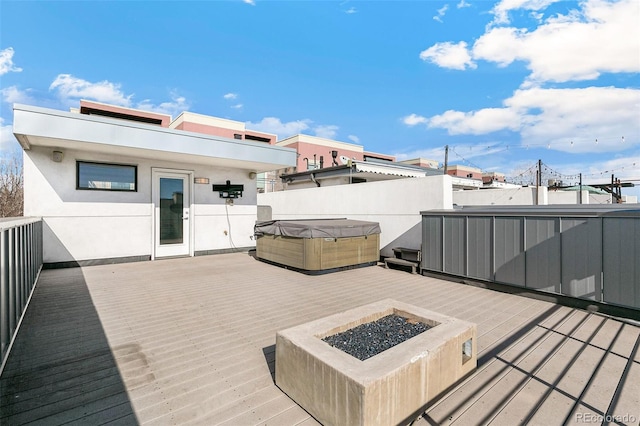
{"type": "Point", "coordinates": [539, 172]}
{"type": "Point", "coordinates": [446, 158]}
{"type": "Point", "coordinates": [538, 182]}
{"type": "Point", "coordinates": [580, 188]}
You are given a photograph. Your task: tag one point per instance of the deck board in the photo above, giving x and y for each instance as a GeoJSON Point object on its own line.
{"type": "Point", "coordinates": [191, 341]}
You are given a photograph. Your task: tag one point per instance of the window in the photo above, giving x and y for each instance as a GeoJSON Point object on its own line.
{"type": "Point", "coordinates": [257, 138]}
{"type": "Point", "coordinates": [106, 177]}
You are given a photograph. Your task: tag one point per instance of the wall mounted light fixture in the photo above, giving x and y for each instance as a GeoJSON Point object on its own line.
{"type": "Point", "coordinates": [57, 156]}
{"type": "Point", "coordinates": [201, 180]}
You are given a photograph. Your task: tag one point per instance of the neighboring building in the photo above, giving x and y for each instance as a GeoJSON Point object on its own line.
{"type": "Point", "coordinates": [374, 156]}
{"type": "Point", "coordinates": [494, 180]}
{"type": "Point", "coordinates": [465, 172]}
{"type": "Point", "coordinates": [116, 184]}
{"type": "Point", "coordinates": [215, 126]}
{"type": "Point", "coordinates": [422, 162]}
{"type": "Point", "coordinates": [191, 122]}
{"type": "Point", "coordinates": [316, 153]}
{"type": "Point", "coordinates": [354, 172]}
{"type": "Point", "coordinates": [490, 177]}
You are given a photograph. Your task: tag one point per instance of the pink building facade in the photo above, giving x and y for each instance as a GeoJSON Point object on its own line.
{"type": "Point", "coordinates": [465, 172]}
{"type": "Point", "coordinates": [215, 126]}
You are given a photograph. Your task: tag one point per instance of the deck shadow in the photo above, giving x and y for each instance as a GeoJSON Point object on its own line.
{"type": "Point", "coordinates": [269, 353]}
{"type": "Point", "coordinates": [61, 368]}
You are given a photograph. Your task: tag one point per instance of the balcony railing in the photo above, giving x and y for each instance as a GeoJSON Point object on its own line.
{"type": "Point", "coordinates": [578, 253]}
{"type": "Point", "coordinates": [20, 264]}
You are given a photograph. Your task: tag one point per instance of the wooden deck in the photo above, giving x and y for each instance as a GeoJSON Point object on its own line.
{"type": "Point", "coordinates": [191, 341]}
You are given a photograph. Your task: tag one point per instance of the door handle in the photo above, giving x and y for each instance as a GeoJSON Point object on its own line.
{"type": "Point", "coordinates": [185, 215]}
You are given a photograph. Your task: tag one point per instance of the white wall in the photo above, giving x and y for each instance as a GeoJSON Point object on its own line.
{"type": "Point", "coordinates": [600, 199]}
{"type": "Point", "coordinates": [84, 225]}
{"type": "Point", "coordinates": [395, 204]}
{"type": "Point", "coordinates": [525, 197]}
{"type": "Point", "coordinates": [568, 197]}
{"type": "Point", "coordinates": [573, 197]}
{"type": "Point", "coordinates": [521, 196]}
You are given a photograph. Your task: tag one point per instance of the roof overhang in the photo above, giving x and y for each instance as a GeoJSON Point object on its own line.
{"type": "Point", "coordinates": [465, 183]}
{"type": "Point", "coordinates": [35, 126]}
{"type": "Point", "coordinates": [388, 169]}
{"type": "Point", "coordinates": [363, 169]}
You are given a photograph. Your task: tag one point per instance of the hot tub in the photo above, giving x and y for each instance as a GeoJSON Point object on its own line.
{"type": "Point", "coordinates": [318, 245]}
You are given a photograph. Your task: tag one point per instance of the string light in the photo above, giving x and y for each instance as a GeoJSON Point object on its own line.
{"type": "Point", "coordinates": [529, 145]}
{"type": "Point", "coordinates": [529, 175]}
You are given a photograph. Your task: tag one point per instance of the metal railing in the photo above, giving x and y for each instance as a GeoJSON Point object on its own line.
{"type": "Point", "coordinates": [579, 253]}
{"type": "Point", "coordinates": [20, 265]}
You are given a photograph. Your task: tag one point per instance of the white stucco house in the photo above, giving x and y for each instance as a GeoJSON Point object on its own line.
{"type": "Point", "coordinates": [114, 184]}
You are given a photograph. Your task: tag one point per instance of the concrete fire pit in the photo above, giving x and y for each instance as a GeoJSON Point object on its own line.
{"type": "Point", "coordinates": [388, 388]}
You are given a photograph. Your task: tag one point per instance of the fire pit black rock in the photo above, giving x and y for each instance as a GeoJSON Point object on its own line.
{"type": "Point", "coordinates": [367, 340]}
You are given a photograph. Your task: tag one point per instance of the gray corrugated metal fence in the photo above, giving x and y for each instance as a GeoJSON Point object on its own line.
{"type": "Point", "coordinates": [20, 264]}
{"type": "Point", "coordinates": [590, 255]}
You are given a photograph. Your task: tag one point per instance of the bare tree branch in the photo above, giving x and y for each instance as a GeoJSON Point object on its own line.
{"type": "Point", "coordinates": [11, 187]}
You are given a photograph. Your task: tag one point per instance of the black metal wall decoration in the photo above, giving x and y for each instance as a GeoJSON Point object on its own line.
{"type": "Point", "coordinates": [229, 190]}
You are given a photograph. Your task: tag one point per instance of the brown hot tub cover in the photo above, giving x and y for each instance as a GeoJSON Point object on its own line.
{"type": "Point", "coordinates": [317, 228]}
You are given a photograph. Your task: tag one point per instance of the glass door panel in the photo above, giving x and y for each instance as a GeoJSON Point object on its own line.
{"type": "Point", "coordinates": [171, 196]}
{"type": "Point", "coordinates": [171, 211]}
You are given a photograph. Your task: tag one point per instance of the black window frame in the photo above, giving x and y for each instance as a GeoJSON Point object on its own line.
{"type": "Point", "coordinates": [135, 176]}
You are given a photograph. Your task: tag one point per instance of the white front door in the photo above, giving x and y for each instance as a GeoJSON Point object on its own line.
{"type": "Point", "coordinates": [172, 212]}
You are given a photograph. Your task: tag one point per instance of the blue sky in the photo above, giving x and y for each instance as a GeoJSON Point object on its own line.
{"type": "Point", "coordinates": [503, 83]}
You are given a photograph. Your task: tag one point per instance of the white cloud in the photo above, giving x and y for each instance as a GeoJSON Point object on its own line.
{"type": "Point", "coordinates": [231, 96]}
{"type": "Point", "coordinates": [449, 55]}
{"type": "Point", "coordinates": [441, 12]}
{"type": "Point", "coordinates": [8, 142]}
{"type": "Point", "coordinates": [502, 9]}
{"type": "Point", "coordinates": [353, 138]}
{"type": "Point", "coordinates": [431, 154]}
{"type": "Point", "coordinates": [438, 153]}
{"type": "Point", "coordinates": [500, 45]}
{"type": "Point", "coordinates": [557, 117]}
{"type": "Point", "coordinates": [602, 37]}
{"type": "Point", "coordinates": [479, 122]}
{"type": "Point", "coordinates": [237, 106]}
{"type": "Point", "coordinates": [627, 167]}
{"type": "Point", "coordinates": [327, 131]}
{"type": "Point", "coordinates": [251, 2]}
{"type": "Point", "coordinates": [600, 171]}
{"type": "Point", "coordinates": [413, 119]}
{"type": "Point", "coordinates": [13, 95]}
{"type": "Point", "coordinates": [283, 130]}
{"type": "Point", "coordinates": [290, 128]}
{"type": "Point", "coordinates": [560, 116]}
{"type": "Point", "coordinates": [351, 11]}
{"type": "Point", "coordinates": [174, 107]}
{"type": "Point", "coordinates": [70, 88]}
{"type": "Point", "coordinates": [6, 61]}
{"type": "Point", "coordinates": [463, 4]}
